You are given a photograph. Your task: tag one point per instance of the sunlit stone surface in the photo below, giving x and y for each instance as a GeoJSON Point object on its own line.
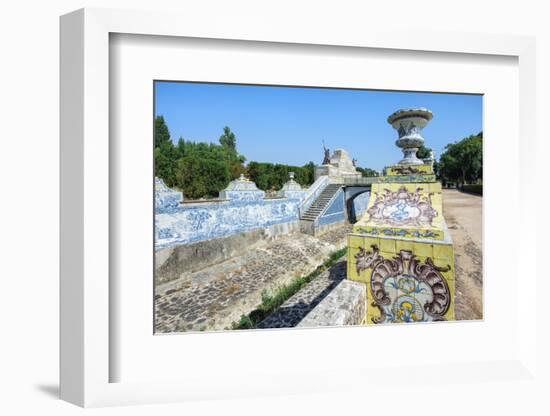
{"type": "Point", "coordinates": [339, 166]}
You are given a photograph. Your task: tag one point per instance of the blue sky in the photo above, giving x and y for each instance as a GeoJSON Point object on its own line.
{"type": "Point", "coordinates": [288, 124]}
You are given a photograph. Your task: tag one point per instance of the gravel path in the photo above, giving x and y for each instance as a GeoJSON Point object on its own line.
{"type": "Point", "coordinates": [463, 213]}
{"type": "Point", "coordinates": [213, 298]}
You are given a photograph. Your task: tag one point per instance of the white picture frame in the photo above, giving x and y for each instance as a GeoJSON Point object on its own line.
{"type": "Point", "coordinates": [87, 356]}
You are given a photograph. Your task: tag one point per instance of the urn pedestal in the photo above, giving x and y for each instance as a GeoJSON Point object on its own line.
{"type": "Point", "coordinates": [401, 248]}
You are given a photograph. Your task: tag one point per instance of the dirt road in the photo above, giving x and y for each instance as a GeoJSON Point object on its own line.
{"type": "Point", "coordinates": [463, 213]}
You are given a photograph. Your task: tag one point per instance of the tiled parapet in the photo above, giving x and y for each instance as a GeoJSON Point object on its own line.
{"type": "Point", "coordinates": [407, 280]}
{"type": "Point", "coordinates": [242, 189]}
{"type": "Point", "coordinates": [291, 189]}
{"type": "Point", "coordinates": [165, 198]}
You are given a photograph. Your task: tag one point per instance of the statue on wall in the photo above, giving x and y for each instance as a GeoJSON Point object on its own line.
{"type": "Point", "coordinates": [354, 162]}
{"type": "Point", "coordinates": [326, 160]}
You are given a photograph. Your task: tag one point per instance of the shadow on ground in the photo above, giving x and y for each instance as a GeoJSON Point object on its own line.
{"type": "Point", "coordinates": [51, 390]}
{"type": "Point", "coordinates": [299, 305]}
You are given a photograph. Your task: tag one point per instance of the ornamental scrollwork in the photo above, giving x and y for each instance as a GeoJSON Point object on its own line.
{"type": "Point", "coordinates": [403, 288]}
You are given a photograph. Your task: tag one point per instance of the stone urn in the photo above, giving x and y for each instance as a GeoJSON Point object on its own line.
{"type": "Point", "coordinates": [409, 124]}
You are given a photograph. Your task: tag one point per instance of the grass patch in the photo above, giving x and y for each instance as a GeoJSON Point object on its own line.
{"type": "Point", "coordinates": [272, 301]}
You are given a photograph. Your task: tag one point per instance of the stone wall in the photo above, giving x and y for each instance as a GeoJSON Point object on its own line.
{"type": "Point", "coordinates": [346, 304]}
{"type": "Point", "coordinates": [357, 199]}
{"type": "Point", "coordinates": [360, 204]}
{"type": "Point", "coordinates": [175, 261]}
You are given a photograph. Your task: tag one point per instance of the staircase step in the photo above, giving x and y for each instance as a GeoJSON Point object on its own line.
{"type": "Point", "coordinates": [319, 205]}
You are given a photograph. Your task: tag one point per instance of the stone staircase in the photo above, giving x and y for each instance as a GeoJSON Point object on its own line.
{"type": "Point", "coordinates": [320, 203]}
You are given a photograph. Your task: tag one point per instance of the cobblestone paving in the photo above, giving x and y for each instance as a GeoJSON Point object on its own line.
{"type": "Point", "coordinates": [214, 297]}
{"type": "Point", "coordinates": [301, 303]}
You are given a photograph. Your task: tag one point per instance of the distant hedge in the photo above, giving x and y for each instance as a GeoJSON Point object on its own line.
{"type": "Point", "coordinates": [473, 189]}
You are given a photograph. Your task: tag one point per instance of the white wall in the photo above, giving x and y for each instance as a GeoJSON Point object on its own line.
{"type": "Point", "coordinates": [29, 172]}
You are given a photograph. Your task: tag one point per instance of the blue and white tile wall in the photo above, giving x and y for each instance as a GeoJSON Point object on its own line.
{"type": "Point", "coordinates": [241, 211]}
{"type": "Point", "coordinates": [165, 198]}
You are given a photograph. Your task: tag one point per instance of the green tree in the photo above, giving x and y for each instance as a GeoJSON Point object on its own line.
{"type": "Point", "coordinates": [162, 134]}
{"type": "Point", "coordinates": [164, 167]}
{"type": "Point", "coordinates": [270, 176]}
{"type": "Point", "coordinates": [423, 152]}
{"type": "Point", "coordinates": [228, 139]}
{"type": "Point", "coordinates": [462, 161]}
{"type": "Point", "coordinates": [180, 148]}
{"type": "Point", "coordinates": [201, 169]}
{"type": "Point", "coordinates": [228, 142]}
{"type": "Point", "coordinates": [198, 177]}
{"type": "Point", "coordinates": [367, 172]}
{"type": "Point", "coordinates": [304, 175]}
{"type": "Point", "coordinates": [165, 155]}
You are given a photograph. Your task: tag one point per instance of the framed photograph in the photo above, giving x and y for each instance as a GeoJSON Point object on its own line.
{"type": "Point", "coordinates": [253, 235]}
{"type": "Point", "coordinates": [321, 212]}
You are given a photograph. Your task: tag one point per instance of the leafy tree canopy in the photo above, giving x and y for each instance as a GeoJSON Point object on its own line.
{"type": "Point", "coordinates": [367, 172]}
{"type": "Point", "coordinates": [204, 169]}
{"type": "Point", "coordinates": [423, 152]}
{"type": "Point", "coordinates": [199, 177]}
{"type": "Point", "coordinates": [462, 161]}
{"type": "Point", "coordinates": [228, 139]}
{"type": "Point", "coordinates": [271, 176]}
{"type": "Point", "coordinates": [162, 135]}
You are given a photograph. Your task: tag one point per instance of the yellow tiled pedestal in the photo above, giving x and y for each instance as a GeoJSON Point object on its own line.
{"type": "Point", "coordinates": [403, 251]}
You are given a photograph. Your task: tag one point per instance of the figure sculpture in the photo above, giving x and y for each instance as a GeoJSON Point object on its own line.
{"type": "Point", "coordinates": [326, 160]}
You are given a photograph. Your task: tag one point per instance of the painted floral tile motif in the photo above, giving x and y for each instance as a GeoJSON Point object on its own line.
{"type": "Point", "coordinates": [402, 208]}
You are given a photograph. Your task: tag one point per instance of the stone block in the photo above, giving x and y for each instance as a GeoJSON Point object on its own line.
{"type": "Point", "coordinates": [345, 305]}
